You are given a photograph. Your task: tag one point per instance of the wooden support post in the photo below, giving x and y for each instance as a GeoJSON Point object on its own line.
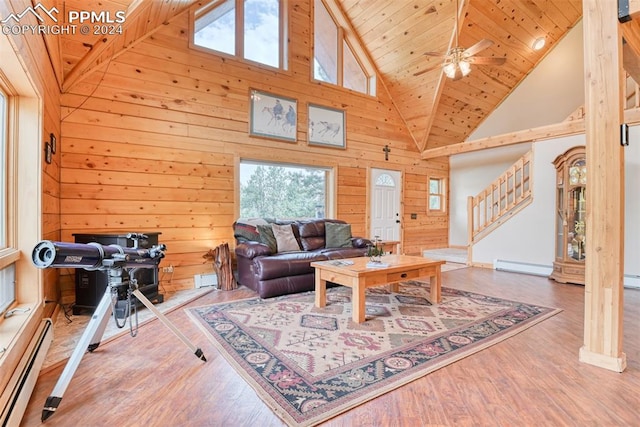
{"type": "Point", "coordinates": [605, 187]}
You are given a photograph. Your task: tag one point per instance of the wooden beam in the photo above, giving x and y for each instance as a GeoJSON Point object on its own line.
{"type": "Point", "coordinates": [573, 126]}
{"type": "Point", "coordinates": [603, 314]}
{"type": "Point", "coordinates": [529, 135]}
{"type": "Point", "coordinates": [443, 79]}
{"type": "Point", "coordinates": [136, 13]}
{"type": "Point", "coordinates": [88, 62]}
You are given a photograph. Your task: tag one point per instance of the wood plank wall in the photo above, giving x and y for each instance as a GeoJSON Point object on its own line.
{"type": "Point", "coordinates": [151, 142]}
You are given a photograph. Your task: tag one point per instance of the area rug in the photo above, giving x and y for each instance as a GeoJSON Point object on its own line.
{"type": "Point", "coordinates": [309, 364]}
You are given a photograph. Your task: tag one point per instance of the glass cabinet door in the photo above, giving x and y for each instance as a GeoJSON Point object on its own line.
{"type": "Point", "coordinates": [576, 210]}
{"type": "Point", "coordinates": [571, 209]}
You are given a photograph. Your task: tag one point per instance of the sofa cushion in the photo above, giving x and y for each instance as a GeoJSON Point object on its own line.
{"type": "Point", "coordinates": [311, 235]}
{"type": "Point", "coordinates": [285, 239]}
{"type": "Point", "coordinates": [246, 229]}
{"type": "Point", "coordinates": [286, 264]}
{"type": "Point", "coordinates": [267, 237]}
{"type": "Point", "coordinates": [337, 235]}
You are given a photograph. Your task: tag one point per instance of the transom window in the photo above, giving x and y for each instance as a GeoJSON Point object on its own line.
{"type": "Point", "coordinates": [337, 57]}
{"type": "Point", "coordinates": [273, 190]}
{"type": "Point", "coordinates": [250, 29]}
{"type": "Point", "coordinates": [437, 201]}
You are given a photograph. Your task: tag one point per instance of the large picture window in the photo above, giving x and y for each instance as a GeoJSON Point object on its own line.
{"type": "Point", "coordinates": [272, 190]}
{"type": "Point", "coordinates": [250, 29]}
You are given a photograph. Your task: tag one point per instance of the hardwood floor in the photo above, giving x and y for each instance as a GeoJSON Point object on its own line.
{"type": "Point", "coordinates": [531, 379]}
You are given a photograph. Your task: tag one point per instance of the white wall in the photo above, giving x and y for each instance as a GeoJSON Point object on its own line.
{"type": "Point", "coordinates": [561, 76]}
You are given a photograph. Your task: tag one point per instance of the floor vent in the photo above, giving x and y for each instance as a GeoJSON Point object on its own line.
{"type": "Point", "coordinates": [16, 396]}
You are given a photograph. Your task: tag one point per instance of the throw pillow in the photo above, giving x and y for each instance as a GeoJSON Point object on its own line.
{"type": "Point", "coordinates": [285, 239]}
{"type": "Point", "coordinates": [267, 237]}
{"type": "Point", "coordinates": [246, 229]}
{"type": "Point", "coordinates": [337, 235]}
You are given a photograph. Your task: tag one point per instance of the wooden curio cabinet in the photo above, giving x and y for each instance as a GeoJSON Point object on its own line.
{"type": "Point", "coordinates": [570, 239]}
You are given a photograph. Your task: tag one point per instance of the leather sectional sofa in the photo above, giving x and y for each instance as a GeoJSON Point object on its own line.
{"type": "Point", "coordinates": [271, 272]}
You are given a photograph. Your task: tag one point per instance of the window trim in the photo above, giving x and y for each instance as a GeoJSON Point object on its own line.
{"type": "Point", "coordinates": [283, 31]}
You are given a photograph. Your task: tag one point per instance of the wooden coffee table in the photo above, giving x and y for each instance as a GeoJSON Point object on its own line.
{"type": "Point", "coordinates": [360, 277]}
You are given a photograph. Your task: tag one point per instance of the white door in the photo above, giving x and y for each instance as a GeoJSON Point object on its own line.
{"type": "Point", "coordinates": [385, 204]}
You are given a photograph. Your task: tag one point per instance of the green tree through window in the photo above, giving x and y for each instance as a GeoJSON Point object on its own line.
{"type": "Point", "coordinates": [274, 191]}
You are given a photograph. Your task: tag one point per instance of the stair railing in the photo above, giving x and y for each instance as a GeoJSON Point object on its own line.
{"type": "Point", "coordinates": [509, 193]}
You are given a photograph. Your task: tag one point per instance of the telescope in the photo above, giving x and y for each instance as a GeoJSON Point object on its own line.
{"type": "Point", "coordinates": [114, 259]}
{"type": "Point", "coordinates": [94, 256]}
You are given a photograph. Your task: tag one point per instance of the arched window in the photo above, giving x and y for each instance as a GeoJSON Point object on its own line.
{"type": "Point", "coordinates": [385, 180]}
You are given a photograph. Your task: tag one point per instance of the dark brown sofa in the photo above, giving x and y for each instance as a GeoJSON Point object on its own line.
{"type": "Point", "coordinates": [272, 273]}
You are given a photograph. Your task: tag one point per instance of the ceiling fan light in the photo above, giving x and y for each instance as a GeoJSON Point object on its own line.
{"type": "Point", "coordinates": [450, 70]}
{"type": "Point", "coordinates": [465, 67]}
{"type": "Point", "coordinates": [538, 43]}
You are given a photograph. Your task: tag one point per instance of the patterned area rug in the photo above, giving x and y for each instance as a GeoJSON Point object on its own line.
{"type": "Point", "coordinates": [310, 364]}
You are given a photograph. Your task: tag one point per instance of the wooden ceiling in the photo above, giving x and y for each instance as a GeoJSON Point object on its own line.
{"type": "Point", "coordinates": [438, 111]}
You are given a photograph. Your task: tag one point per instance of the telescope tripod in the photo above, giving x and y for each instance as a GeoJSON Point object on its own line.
{"type": "Point", "coordinates": [92, 335]}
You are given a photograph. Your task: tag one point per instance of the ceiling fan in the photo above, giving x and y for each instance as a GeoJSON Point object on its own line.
{"type": "Point", "coordinates": [457, 62]}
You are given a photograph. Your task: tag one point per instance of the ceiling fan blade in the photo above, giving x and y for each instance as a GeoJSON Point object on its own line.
{"type": "Point", "coordinates": [487, 60]}
{"type": "Point", "coordinates": [481, 45]}
{"type": "Point", "coordinates": [426, 70]}
{"type": "Point", "coordinates": [437, 54]}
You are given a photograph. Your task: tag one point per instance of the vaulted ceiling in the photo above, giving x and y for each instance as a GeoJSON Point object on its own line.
{"type": "Point", "coordinates": [438, 111]}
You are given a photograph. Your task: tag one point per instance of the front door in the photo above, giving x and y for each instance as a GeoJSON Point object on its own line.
{"type": "Point", "coordinates": [385, 204]}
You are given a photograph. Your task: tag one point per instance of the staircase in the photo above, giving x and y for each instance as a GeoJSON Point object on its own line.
{"type": "Point", "coordinates": [500, 200]}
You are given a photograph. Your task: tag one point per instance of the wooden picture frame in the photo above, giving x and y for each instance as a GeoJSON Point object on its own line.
{"type": "Point", "coordinates": [273, 116]}
{"type": "Point", "coordinates": [327, 126]}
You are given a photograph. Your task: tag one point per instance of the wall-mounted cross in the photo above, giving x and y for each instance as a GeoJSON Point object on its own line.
{"type": "Point", "coordinates": [386, 150]}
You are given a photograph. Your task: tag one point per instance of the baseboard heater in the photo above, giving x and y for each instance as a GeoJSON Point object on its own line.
{"type": "Point", "coordinates": [631, 281]}
{"type": "Point", "coordinates": [522, 267]}
{"type": "Point", "coordinates": [16, 396]}
{"type": "Point", "coordinates": [203, 280]}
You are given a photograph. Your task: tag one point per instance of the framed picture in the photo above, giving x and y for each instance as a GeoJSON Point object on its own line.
{"type": "Point", "coordinates": [273, 116]}
{"type": "Point", "coordinates": [326, 126]}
